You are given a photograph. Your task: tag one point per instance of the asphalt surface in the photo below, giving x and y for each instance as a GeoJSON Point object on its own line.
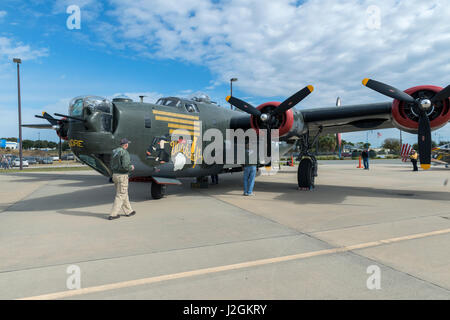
{"type": "Point", "coordinates": [217, 244]}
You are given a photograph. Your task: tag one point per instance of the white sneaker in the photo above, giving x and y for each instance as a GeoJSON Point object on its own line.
{"type": "Point", "coordinates": [250, 194]}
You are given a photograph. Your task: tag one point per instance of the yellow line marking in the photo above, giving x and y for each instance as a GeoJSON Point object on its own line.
{"type": "Point", "coordinates": [176, 120]}
{"type": "Point", "coordinates": [237, 266]}
{"type": "Point", "coordinates": [180, 126]}
{"type": "Point", "coordinates": [173, 114]}
{"type": "Point", "coordinates": [192, 133]}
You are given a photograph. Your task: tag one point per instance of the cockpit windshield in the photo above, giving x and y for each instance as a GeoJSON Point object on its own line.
{"type": "Point", "coordinates": [170, 102]}
{"type": "Point", "coordinates": [92, 102]}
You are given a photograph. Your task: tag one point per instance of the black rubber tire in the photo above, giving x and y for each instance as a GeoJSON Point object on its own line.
{"type": "Point", "coordinates": [305, 174]}
{"type": "Point", "coordinates": [158, 190]}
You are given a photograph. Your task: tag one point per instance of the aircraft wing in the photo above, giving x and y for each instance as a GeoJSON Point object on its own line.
{"type": "Point", "coordinates": [438, 161]}
{"type": "Point", "coordinates": [38, 126]}
{"type": "Point", "coordinates": [348, 118]}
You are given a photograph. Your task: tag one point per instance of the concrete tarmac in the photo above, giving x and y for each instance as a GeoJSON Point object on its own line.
{"type": "Point", "coordinates": [357, 227]}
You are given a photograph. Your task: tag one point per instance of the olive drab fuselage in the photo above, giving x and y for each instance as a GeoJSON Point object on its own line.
{"type": "Point", "coordinates": [148, 127]}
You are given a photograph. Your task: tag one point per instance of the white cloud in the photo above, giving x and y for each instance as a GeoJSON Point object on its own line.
{"type": "Point", "coordinates": [276, 47]}
{"type": "Point", "coordinates": [12, 49]}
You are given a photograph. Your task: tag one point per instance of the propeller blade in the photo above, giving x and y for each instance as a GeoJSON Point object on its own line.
{"type": "Point", "coordinates": [424, 141]}
{"type": "Point", "coordinates": [293, 100]}
{"type": "Point", "coordinates": [269, 142]}
{"type": "Point", "coordinates": [244, 106]}
{"type": "Point", "coordinates": [69, 117]}
{"type": "Point", "coordinates": [442, 95]}
{"type": "Point", "coordinates": [49, 118]}
{"type": "Point", "coordinates": [388, 90]}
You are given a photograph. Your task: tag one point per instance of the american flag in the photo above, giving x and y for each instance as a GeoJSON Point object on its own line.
{"type": "Point", "coordinates": [378, 134]}
{"type": "Point", "coordinates": [404, 153]}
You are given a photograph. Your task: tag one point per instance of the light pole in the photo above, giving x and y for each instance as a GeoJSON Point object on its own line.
{"type": "Point", "coordinates": [231, 89]}
{"type": "Point", "coordinates": [18, 62]}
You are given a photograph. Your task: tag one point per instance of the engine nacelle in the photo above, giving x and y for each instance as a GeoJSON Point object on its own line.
{"type": "Point", "coordinates": [62, 130]}
{"type": "Point", "coordinates": [283, 122]}
{"type": "Point", "coordinates": [406, 115]}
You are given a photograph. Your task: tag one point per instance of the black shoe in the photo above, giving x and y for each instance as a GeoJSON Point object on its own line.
{"type": "Point", "coordinates": [113, 217]}
{"type": "Point", "coordinates": [131, 214]}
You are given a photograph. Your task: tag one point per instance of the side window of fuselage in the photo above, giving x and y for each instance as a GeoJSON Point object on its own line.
{"type": "Point", "coordinates": [191, 107]}
{"type": "Point", "coordinates": [147, 121]}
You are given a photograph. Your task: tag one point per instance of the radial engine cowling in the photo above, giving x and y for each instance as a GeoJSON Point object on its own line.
{"type": "Point", "coordinates": [283, 121]}
{"type": "Point", "coordinates": [406, 115]}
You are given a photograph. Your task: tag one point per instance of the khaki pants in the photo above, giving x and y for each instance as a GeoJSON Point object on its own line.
{"type": "Point", "coordinates": [121, 201]}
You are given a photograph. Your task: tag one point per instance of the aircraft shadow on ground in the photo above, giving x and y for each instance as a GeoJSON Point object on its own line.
{"type": "Point", "coordinates": [326, 194]}
{"type": "Point", "coordinates": [100, 193]}
{"type": "Point", "coordinates": [78, 180]}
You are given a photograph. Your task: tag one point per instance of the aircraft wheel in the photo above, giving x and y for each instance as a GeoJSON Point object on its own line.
{"type": "Point", "coordinates": [305, 174]}
{"type": "Point", "coordinates": [158, 190]}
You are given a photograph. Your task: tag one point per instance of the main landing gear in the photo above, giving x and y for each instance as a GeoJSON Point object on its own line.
{"type": "Point", "coordinates": [307, 169]}
{"type": "Point", "coordinates": [158, 190]}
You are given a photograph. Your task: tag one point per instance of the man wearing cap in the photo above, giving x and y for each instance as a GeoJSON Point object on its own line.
{"type": "Point", "coordinates": [121, 167]}
{"type": "Point", "coordinates": [413, 156]}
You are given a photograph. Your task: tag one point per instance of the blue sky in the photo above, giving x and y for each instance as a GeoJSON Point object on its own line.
{"type": "Point", "coordinates": [158, 48]}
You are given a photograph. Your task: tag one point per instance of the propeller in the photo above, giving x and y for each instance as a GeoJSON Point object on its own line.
{"type": "Point", "coordinates": [268, 119]}
{"type": "Point", "coordinates": [49, 118]}
{"type": "Point", "coordinates": [422, 105]}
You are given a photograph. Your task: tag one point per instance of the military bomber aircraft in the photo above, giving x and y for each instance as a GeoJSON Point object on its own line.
{"type": "Point", "coordinates": [95, 125]}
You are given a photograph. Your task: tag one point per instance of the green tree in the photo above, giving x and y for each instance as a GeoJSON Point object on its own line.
{"type": "Point", "coordinates": [327, 143]}
{"type": "Point", "coordinates": [52, 144]}
{"type": "Point", "coordinates": [433, 145]}
{"type": "Point", "coordinates": [349, 143]}
{"type": "Point", "coordinates": [392, 144]}
{"type": "Point", "coordinates": [27, 144]}
{"type": "Point", "coordinates": [65, 146]}
{"type": "Point", "coordinates": [10, 139]}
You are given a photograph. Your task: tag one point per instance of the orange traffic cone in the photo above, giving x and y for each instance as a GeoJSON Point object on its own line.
{"type": "Point", "coordinates": [359, 166]}
{"type": "Point", "coordinates": [292, 161]}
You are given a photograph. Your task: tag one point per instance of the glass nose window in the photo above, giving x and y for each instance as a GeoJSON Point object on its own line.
{"type": "Point", "coordinates": [76, 108]}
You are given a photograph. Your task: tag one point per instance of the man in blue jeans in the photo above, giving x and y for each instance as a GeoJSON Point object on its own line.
{"type": "Point", "coordinates": [249, 171]}
{"type": "Point", "coordinates": [365, 157]}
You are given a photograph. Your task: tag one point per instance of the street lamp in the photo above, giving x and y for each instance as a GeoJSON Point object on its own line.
{"type": "Point", "coordinates": [18, 62]}
{"type": "Point", "coordinates": [231, 89]}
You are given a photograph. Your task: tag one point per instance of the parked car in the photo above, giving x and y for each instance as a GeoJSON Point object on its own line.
{"type": "Point", "coordinates": [16, 162]}
{"type": "Point", "coordinates": [55, 158]}
{"type": "Point", "coordinates": [47, 160]}
{"type": "Point", "coordinates": [69, 156]}
{"type": "Point", "coordinates": [31, 160]}
{"type": "Point", "coordinates": [39, 159]}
